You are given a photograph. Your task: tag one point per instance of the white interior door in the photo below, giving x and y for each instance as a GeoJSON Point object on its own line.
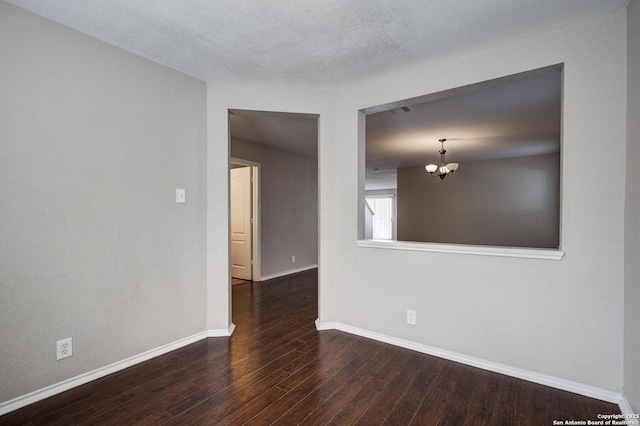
{"type": "Point", "coordinates": [240, 193]}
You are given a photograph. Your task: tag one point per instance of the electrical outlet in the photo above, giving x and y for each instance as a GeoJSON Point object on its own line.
{"type": "Point", "coordinates": [293, 259]}
{"type": "Point", "coordinates": [411, 317]}
{"type": "Point", "coordinates": [64, 348]}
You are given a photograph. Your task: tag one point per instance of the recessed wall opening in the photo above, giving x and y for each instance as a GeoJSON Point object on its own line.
{"type": "Point", "coordinates": [505, 136]}
{"type": "Point", "coordinates": [281, 152]}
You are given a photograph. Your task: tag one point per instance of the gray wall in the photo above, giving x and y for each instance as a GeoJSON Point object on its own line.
{"type": "Point", "coordinates": [562, 318]}
{"type": "Point", "coordinates": [288, 206]}
{"type": "Point", "coordinates": [93, 143]}
{"type": "Point", "coordinates": [80, 121]}
{"type": "Point", "coordinates": [632, 212]}
{"type": "Point", "coordinates": [506, 202]}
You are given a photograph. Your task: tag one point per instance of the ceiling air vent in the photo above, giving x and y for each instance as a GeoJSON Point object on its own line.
{"type": "Point", "coordinates": [399, 110]}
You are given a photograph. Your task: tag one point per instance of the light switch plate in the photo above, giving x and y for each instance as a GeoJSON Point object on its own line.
{"type": "Point", "coordinates": [181, 196]}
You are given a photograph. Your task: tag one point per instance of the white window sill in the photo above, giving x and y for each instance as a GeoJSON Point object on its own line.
{"type": "Point", "coordinates": [529, 253]}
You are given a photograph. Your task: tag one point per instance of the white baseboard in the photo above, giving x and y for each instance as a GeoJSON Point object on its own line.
{"type": "Point", "coordinates": [562, 384]}
{"type": "Point", "coordinates": [530, 376]}
{"type": "Point", "coordinates": [222, 333]}
{"type": "Point", "coordinates": [73, 382]}
{"type": "Point", "coordinates": [289, 272]}
{"type": "Point", "coordinates": [625, 408]}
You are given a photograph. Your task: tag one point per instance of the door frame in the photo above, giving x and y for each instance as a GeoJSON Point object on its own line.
{"type": "Point", "coordinates": [255, 212]}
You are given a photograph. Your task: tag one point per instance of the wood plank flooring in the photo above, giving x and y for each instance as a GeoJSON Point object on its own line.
{"type": "Point", "coordinates": [235, 281]}
{"type": "Point", "coordinates": [277, 369]}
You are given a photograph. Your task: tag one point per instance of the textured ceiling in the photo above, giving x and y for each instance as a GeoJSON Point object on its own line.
{"type": "Point", "coordinates": [334, 44]}
{"type": "Point", "coordinates": [330, 44]}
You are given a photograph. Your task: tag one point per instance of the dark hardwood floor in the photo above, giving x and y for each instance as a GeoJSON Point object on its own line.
{"type": "Point", "coordinates": [277, 369]}
{"type": "Point", "coordinates": [236, 281]}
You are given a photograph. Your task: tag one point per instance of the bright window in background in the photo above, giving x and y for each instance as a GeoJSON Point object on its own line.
{"type": "Point", "coordinates": [382, 220]}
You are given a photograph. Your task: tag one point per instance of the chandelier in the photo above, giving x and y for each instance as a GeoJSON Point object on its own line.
{"type": "Point", "coordinates": [444, 169]}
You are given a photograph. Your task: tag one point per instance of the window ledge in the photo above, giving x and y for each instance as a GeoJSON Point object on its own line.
{"type": "Point", "coordinates": [529, 253]}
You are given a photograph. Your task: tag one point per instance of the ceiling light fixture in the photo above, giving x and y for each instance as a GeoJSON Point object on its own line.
{"type": "Point", "coordinates": [444, 169]}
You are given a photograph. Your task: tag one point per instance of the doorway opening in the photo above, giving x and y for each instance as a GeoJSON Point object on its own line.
{"type": "Point", "coordinates": [283, 149]}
